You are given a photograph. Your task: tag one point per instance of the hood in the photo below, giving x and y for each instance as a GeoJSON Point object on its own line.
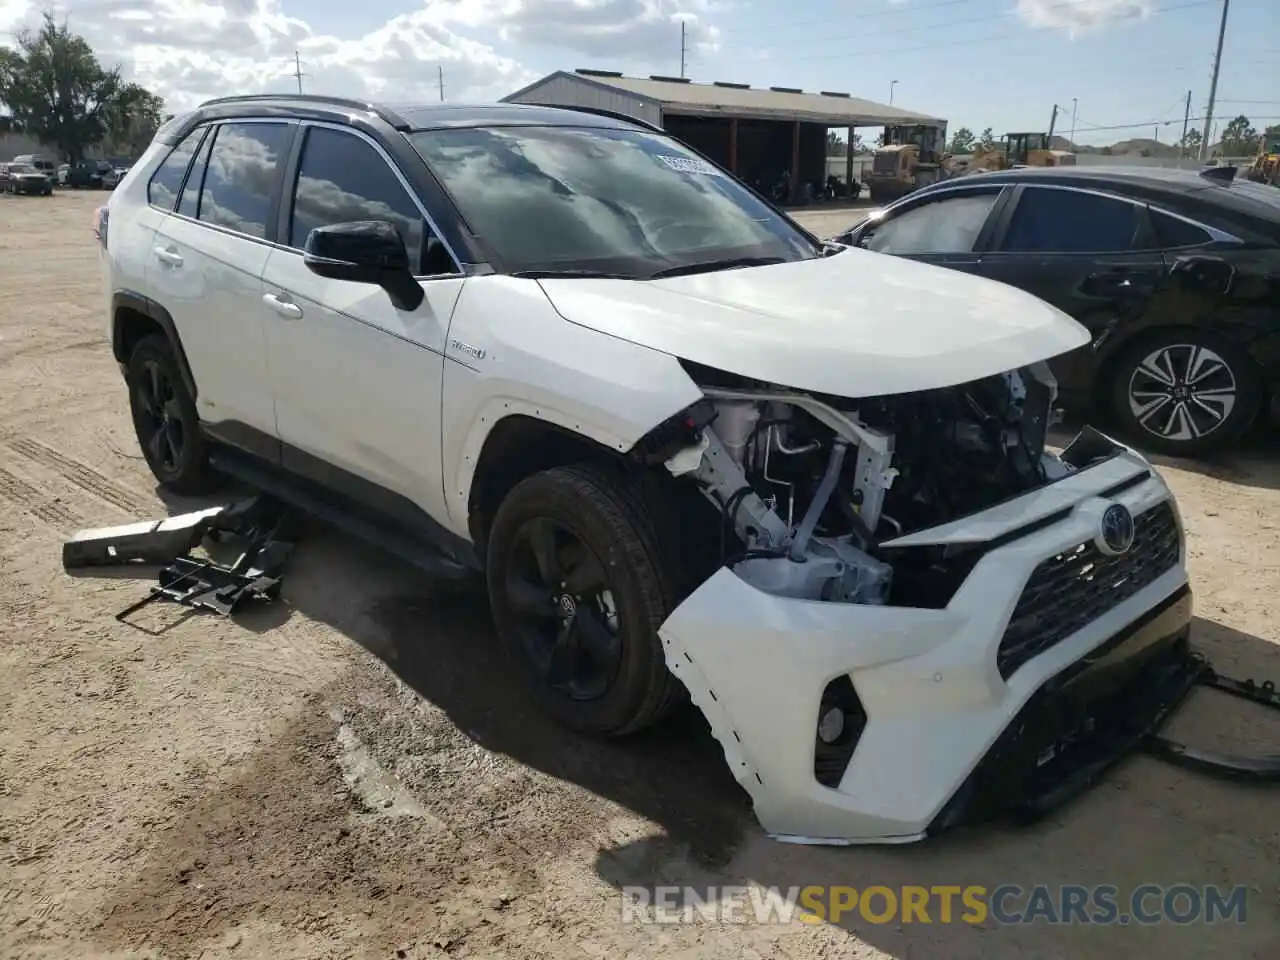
{"type": "Point", "coordinates": [856, 324]}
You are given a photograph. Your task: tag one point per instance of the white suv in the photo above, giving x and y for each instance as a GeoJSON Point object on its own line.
{"type": "Point", "coordinates": [691, 447]}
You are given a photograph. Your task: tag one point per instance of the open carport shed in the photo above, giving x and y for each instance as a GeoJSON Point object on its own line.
{"type": "Point", "coordinates": [757, 133]}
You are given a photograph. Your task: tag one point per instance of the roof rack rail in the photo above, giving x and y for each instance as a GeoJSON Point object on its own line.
{"type": "Point", "coordinates": [390, 116]}
{"type": "Point", "coordinates": [611, 114]}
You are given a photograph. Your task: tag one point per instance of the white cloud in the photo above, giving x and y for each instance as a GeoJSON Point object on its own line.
{"type": "Point", "coordinates": [1081, 16]}
{"type": "Point", "coordinates": [191, 50]}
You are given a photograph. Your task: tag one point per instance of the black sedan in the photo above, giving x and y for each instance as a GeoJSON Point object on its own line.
{"type": "Point", "coordinates": [24, 178]}
{"type": "Point", "coordinates": [1176, 273]}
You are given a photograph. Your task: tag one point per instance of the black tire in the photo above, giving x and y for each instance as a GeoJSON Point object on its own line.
{"type": "Point", "coordinates": [165, 419]}
{"type": "Point", "coordinates": [595, 514]}
{"type": "Point", "coordinates": [1212, 393]}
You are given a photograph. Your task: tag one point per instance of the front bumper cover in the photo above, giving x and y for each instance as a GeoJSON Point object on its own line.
{"type": "Point", "coordinates": [946, 738]}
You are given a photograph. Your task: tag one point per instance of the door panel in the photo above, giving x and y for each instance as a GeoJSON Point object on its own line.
{"type": "Point", "coordinates": [206, 265]}
{"type": "Point", "coordinates": [1082, 253]}
{"type": "Point", "coordinates": [357, 380]}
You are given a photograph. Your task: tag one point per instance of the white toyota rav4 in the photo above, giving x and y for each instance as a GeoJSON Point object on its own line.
{"type": "Point", "coordinates": [694, 449]}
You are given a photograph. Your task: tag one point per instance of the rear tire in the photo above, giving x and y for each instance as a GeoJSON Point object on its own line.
{"type": "Point", "coordinates": [578, 586]}
{"type": "Point", "coordinates": [1183, 392]}
{"type": "Point", "coordinates": [165, 419]}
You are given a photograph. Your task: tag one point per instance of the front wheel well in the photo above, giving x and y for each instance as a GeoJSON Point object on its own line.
{"type": "Point", "coordinates": [517, 447]}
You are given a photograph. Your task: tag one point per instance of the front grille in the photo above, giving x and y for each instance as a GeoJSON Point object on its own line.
{"type": "Point", "coordinates": [1069, 591]}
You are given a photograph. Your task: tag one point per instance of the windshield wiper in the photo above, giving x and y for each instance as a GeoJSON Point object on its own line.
{"type": "Point", "coordinates": [708, 266]}
{"type": "Point", "coordinates": [572, 275]}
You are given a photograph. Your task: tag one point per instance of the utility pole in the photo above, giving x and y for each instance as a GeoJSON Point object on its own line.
{"type": "Point", "coordinates": [1186, 119]}
{"type": "Point", "coordinates": [892, 84]}
{"type": "Point", "coordinates": [683, 49]}
{"type": "Point", "coordinates": [1075, 103]}
{"type": "Point", "coordinates": [297, 70]}
{"type": "Point", "coordinates": [1053, 122]}
{"type": "Point", "coordinates": [440, 73]}
{"type": "Point", "coordinates": [1213, 84]}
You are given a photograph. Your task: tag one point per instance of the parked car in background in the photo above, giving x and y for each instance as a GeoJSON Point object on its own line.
{"type": "Point", "coordinates": [111, 179]}
{"type": "Point", "coordinates": [1175, 273]}
{"type": "Point", "coordinates": [23, 178]}
{"type": "Point", "coordinates": [88, 174]}
{"type": "Point", "coordinates": [43, 164]}
{"type": "Point", "coordinates": [63, 170]}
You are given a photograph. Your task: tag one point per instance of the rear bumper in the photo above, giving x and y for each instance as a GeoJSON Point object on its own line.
{"type": "Point", "coordinates": [934, 692]}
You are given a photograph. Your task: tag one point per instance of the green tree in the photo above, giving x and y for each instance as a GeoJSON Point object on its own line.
{"type": "Point", "coordinates": [132, 119]}
{"type": "Point", "coordinates": [56, 90]}
{"type": "Point", "coordinates": [987, 140]}
{"type": "Point", "coordinates": [835, 144]}
{"type": "Point", "coordinates": [1190, 144]}
{"type": "Point", "coordinates": [962, 141]}
{"type": "Point", "coordinates": [1239, 138]}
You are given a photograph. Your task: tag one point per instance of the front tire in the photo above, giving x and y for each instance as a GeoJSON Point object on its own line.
{"type": "Point", "coordinates": [165, 419]}
{"type": "Point", "coordinates": [1184, 393]}
{"type": "Point", "coordinates": [578, 590]}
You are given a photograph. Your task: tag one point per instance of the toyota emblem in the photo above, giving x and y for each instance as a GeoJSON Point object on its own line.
{"type": "Point", "coordinates": [1115, 530]}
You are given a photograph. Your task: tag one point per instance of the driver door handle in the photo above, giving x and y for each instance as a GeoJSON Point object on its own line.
{"type": "Point", "coordinates": [286, 308]}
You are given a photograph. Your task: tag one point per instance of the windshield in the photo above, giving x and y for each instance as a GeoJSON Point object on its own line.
{"type": "Point", "coordinates": [616, 201]}
{"type": "Point", "coordinates": [22, 168]}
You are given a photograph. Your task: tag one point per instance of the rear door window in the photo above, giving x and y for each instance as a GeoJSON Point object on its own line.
{"type": "Point", "coordinates": [1052, 220]}
{"type": "Point", "coordinates": [241, 176]}
{"type": "Point", "coordinates": [1173, 232]}
{"type": "Point", "coordinates": [165, 183]}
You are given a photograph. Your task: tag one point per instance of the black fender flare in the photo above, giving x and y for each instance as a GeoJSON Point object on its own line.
{"type": "Point", "coordinates": [130, 300]}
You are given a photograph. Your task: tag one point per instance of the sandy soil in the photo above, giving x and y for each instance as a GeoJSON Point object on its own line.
{"type": "Point", "coordinates": [350, 773]}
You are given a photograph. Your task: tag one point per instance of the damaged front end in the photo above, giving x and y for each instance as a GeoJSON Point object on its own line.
{"type": "Point", "coordinates": [920, 614]}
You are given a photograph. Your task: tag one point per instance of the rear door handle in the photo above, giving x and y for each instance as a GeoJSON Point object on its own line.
{"type": "Point", "coordinates": [286, 308]}
{"type": "Point", "coordinates": [171, 257]}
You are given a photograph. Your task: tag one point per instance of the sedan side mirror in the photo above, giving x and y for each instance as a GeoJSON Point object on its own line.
{"type": "Point", "coordinates": [365, 251]}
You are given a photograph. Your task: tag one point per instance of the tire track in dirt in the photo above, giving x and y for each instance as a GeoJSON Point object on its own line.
{"type": "Point", "coordinates": [82, 475]}
{"type": "Point", "coordinates": [26, 497]}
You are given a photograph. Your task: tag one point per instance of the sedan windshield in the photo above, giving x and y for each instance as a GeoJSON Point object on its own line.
{"type": "Point", "coordinates": [586, 200]}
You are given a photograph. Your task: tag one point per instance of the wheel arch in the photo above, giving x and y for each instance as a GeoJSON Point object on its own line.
{"type": "Point", "coordinates": [134, 317]}
{"type": "Point", "coordinates": [516, 447]}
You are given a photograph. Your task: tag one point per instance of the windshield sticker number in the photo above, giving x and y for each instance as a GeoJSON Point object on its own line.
{"type": "Point", "coordinates": [690, 165]}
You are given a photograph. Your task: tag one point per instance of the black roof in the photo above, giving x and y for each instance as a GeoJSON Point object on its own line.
{"type": "Point", "coordinates": [405, 117]}
{"type": "Point", "coordinates": [1160, 179]}
{"type": "Point", "coordinates": [1237, 199]}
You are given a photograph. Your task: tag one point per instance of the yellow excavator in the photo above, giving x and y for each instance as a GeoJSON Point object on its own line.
{"type": "Point", "coordinates": [910, 157]}
{"type": "Point", "coordinates": [1022, 150]}
{"type": "Point", "coordinates": [1266, 165]}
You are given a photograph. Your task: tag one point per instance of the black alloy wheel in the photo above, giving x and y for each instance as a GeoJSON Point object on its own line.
{"type": "Point", "coordinates": [162, 432]}
{"type": "Point", "coordinates": [566, 615]}
{"type": "Point", "coordinates": [165, 419]}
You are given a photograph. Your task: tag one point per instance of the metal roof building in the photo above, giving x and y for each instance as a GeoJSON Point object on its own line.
{"type": "Point", "coordinates": [654, 98]}
{"type": "Point", "coordinates": [774, 137]}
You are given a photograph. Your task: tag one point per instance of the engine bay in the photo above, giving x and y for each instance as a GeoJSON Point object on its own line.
{"type": "Point", "coordinates": [809, 487]}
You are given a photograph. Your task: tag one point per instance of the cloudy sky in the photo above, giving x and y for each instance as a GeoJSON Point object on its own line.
{"type": "Point", "coordinates": [998, 63]}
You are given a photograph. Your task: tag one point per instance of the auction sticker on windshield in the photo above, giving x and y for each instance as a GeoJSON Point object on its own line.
{"type": "Point", "coordinates": [690, 165]}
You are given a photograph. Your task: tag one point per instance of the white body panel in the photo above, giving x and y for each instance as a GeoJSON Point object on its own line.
{"type": "Point", "coordinates": [532, 363]}
{"type": "Point", "coordinates": [356, 380]}
{"type": "Point", "coordinates": [756, 665]}
{"type": "Point", "coordinates": [210, 281]}
{"type": "Point", "coordinates": [856, 324]}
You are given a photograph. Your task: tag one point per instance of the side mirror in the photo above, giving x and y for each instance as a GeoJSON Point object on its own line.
{"type": "Point", "coordinates": [364, 251]}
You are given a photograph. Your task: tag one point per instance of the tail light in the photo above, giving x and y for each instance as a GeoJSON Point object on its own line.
{"type": "Point", "coordinates": [100, 225]}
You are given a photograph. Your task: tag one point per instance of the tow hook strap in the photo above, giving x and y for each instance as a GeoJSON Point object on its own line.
{"type": "Point", "coordinates": [1264, 769]}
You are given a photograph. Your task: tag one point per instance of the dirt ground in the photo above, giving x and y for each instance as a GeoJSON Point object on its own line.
{"type": "Point", "coordinates": [350, 773]}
